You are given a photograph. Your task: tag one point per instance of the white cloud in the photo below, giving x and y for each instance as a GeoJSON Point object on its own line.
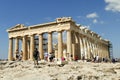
{"type": "Point", "coordinates": [113, 5]}
{"type": "Point", "coordinates": [92, 15]}
{"type": "Point", "coordinates": [95, 21]}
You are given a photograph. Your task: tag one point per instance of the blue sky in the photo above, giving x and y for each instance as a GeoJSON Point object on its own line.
{"type": "Point", "coordinates": [101, 16]}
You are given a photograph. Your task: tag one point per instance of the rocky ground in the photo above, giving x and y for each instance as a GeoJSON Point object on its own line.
{"type": "Point", "coordinates": [19, 70]}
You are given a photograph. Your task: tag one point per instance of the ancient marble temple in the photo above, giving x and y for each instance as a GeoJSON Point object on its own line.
{"type": "Point", "coordinates": [79, 40]}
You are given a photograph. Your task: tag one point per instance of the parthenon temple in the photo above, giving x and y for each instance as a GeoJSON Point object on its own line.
{"type": "Point", "coordinates": [79, 40]}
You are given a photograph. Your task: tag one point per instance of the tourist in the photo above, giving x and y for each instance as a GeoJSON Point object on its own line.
{"type": "Point", "coordinates": [36, 56]}
{"type": "Point", "coordinates": [76, 58]}
{"type": "Point", "coordinates": [83, 57]}
{"type": "Point", "coordinates": [50, 56]}
{"type": "Point", "coordinates": [17, 54]}
{"type": "Point", "coordinates": [63, 59]}
{"type": "Point", "coordinates": [71, 57]}
{"type": "Point", "coordinates": [103, 59]}
{"type": "Point", "coordinates": [94, 59]}
{"type": "Point", "coordinates": [97, 58]}
{"type": "Point", "coordinates": [45, 56]}
{"type": "Point", "coordinates": [20, 56]}
{"type": "Point", "coordinates": [113, 60]}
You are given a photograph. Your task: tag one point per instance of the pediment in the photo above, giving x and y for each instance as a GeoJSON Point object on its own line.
{"type": "Point", "coordinates": [18, 26]}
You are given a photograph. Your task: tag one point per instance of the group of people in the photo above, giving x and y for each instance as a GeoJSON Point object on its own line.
{"type": "Point", "coordinates": [47, 56]}
{"type": "Point", "coordinates": [18, 55]}
{"type": "Point", "coordinates": [95, 59]}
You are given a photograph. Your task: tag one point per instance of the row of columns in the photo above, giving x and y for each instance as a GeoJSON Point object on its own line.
{"type": "Point", "coordinates": [77, 44]}
{"type": "Point", "coordinates": [92, 48]}
{"type": "Point", "coordinates": [88, 47]}
{"type": "Point", "coordinates": [32, 45]}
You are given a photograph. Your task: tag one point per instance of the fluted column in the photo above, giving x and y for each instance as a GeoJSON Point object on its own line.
{"type": "Point", "coordinates": [85, 48]}
{"type": "Point", "coordinates": [41, 46]}
{"type": "Point", "coordinates": [10, 53]}
{"type": "Point", "coordinates": [60, 44]}
{"type": "Point", "coordinates": [69, 42]}
{"type": "Point", "coordinates": [93, 45]}
{"type": "Point", "coordinates": [28, 46]}
{"type": "Point", "coordinates": [102, 51]}
{"type": "Point", "coordinates": [73, 45]}
{"type": "Point", "coordinates": [98, 49]}
{"type": "Point", "coordinates": [16, 46]}
{"type": "Point", "coordinates": [31, 46]}
{"type": "Point", "coordinates": [78, 44]}
{"type": "Point", "coordinates": [24, 47]}
{"type": "Point", "coordinates": [49, 42]}
{"type": "Point", "coordinates": [81, 46]}
{"type": "Point", "coordinates": [95, 49]}
{"type": "Point", "coordinates": [91, 50]}
{"type": "Point", "coordinates": [88, 48]}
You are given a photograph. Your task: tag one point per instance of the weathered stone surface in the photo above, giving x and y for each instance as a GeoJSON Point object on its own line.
{"type": "Point", "coordinates": [80, 40]}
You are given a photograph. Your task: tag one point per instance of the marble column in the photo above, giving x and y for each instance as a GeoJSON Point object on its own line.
{"type": "Point", "coordinates": [103, 52]}
{"type": "Point", "coordinates": [96, 49]}
{"type": "Point", "coordinates": [41, 46]}
{"type": "Point", "coordinates": [100, 50]}
{"type": "Point", "coordinates": [24, 47]}
{"type": "Point", "coordinates": [10, 54]}
{"type": "Point", "coordinates": [81, 46]}
{"type": "Point", "coordinates": [73, 45]}
{"type": "Point", "coordinates": [88, 48]}
{"type": "Point", "coordinates": [69, 42]}
{"type": "Point", "coordinates": [16, 46]}
{"type": "Point", "coordinates": [85, 48]}
{"type": "Point", "coordinates": [32, 46]}
{"type": "Point", "coordinates": [60, 44]}
{"type": "Point", "coordinates": [28, 46]}
{"type": "Point", "coordinates": [91, 50]}
{"type": "Point", "coordinates": [78, 44]}
{"type": "Point", "coordinates": [49, 42]}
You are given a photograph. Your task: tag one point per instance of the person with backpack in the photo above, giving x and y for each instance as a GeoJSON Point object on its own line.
{"type": "Point", "coordinates": [36, 56]}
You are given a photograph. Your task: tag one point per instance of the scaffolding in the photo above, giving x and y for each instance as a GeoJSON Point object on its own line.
{"type": "Point", "coordinates": [110, 50]}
